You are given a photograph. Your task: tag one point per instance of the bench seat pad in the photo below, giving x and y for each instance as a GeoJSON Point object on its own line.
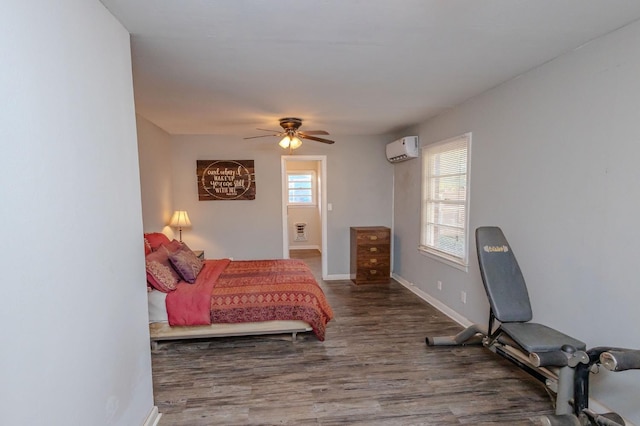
{"type": "Point", "coordinates": [534, 337]}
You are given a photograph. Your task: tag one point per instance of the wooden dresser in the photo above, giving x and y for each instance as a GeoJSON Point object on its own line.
{"type": "Point", "coordinates": [370, 254]}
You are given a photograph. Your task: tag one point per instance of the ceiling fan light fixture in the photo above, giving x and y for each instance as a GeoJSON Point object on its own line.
{"type": "Point", "coordinates": [285, 142]}
{"type": "Point", "coordinates": [295, 143]}
{"type": "Point", "coordinates": [292, 142]}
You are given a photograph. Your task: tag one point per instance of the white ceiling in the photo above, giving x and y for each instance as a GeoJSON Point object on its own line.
{"type": "Point", "coordinates": [360, 67]}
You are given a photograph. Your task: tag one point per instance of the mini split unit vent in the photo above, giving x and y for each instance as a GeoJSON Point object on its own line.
{"type": "Point", "coordinates": [403, 149]}
{"type": "Point", "coordinates": [300, 229]}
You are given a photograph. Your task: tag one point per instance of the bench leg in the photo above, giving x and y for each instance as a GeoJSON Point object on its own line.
{"type": "Point", "coordinates": [565, 390]}
{"type": "Point", "coordinates": [471, 335]}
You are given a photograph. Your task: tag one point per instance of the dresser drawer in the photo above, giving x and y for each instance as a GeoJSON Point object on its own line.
{"type": "Point", "coordinates": [374, 236]}
{"type": "Point", "coordinates": [373, 262]}
{"type": "Point", "coordinates": [373, 275]}
{"type": "Point", "coordinates": [373, 250]}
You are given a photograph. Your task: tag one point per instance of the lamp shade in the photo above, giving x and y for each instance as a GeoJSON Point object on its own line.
{"type": "Point", "coordinates": [180, 219]}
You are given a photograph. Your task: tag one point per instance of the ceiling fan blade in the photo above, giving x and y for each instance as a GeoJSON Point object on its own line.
{"type": "Point", "coordinates": [315, 132]}
{"type": "Point", "coordinates": [262, 136]}
{"type": "Point", "coordinates": [270, 130]}
{"type": "Point", "coordinates": [313, 138]}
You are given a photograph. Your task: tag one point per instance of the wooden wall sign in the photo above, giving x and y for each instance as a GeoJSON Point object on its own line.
{"type": "Point", "coordinates": [226, 180]}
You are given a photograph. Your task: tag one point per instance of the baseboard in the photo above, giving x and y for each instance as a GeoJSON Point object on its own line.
{"type": "Point", "coordinates": [433, 302]}
{"type": "Point", "coordinates": [153, 418]}
{"type": "Point", "coordinates": [308, 247]}
{"type": "Point", "coordinates": [336, 277]}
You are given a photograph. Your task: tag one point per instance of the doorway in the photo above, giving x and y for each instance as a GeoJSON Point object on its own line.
{"type": "Point", "coordinates": [304, 218]}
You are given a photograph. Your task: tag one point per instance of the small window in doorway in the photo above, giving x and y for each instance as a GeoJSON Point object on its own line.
{"type": "Point", "coordinates": [302, 188]}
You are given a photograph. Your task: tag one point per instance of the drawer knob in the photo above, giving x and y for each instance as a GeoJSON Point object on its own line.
{"type": "Point", "coordinates": [373, 249]}
{"type": "Point", "coordinates": [374, 261]}
{"type": "Point", "coordinates": [373, 271]}
{"type": "Point", "coordinates": [373, 237]}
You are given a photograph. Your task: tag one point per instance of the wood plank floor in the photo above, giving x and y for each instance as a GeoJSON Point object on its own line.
{"type": "Point", "coordinates": [373, 369]}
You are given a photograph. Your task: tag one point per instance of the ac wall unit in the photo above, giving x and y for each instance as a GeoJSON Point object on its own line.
{"type": "Point", "coordinates": [300, 230]}
{"type": "Point", "coordinates": [403, 149]}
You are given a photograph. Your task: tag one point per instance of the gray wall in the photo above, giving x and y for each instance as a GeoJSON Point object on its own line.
{"type": "Point", "coordinates": [75, 340]}
{"type": "Point", "coordinates": [359, 186]}
{"type": "Point", "coordinates": [554, 163]}
{"type": "Point", "coordinates": [154, 149]}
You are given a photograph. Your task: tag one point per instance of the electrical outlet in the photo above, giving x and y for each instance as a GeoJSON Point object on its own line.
{"type": "Point", "coordinates": [439, 285]}
{"type": "Point", "coordinates": [463, 296]}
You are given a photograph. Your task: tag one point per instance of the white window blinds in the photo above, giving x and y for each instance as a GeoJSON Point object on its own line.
{"type": "Point", "coordinates": [445, 200]}
{"type": "Point", "coordinates": [301, 187]}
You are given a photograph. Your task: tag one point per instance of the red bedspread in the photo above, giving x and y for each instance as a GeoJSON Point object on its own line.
{"type": "Point", "coordinates": [189, 304]}
{"type": "Point", "coordinates": [251, 291]}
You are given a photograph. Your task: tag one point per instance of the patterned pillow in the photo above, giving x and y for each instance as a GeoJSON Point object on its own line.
{"type": "Point", "coordinates": [156, 239]}
{"type": "Point", "coordinates": [147, 246]}
{"type": "Point", "coordinates": [186, 263]}
{"type": "Point", "coordinates": [160, 274]}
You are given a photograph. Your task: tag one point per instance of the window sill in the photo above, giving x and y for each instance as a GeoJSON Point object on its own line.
{"type": "Point", "coordinates": [451, 261]}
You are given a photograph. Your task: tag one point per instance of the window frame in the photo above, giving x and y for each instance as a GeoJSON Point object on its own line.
{"type": "Point", "coordinates": [430, 250]}
{"type": "Point", "coordinates": [314, 185]}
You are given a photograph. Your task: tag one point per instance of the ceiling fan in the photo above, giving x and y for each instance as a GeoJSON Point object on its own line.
{"type": "Point", "coordinates": [291, 136]}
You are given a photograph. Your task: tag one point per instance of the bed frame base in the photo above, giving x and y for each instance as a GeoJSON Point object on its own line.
{"type": "Point", "coordinates": [163, 331]}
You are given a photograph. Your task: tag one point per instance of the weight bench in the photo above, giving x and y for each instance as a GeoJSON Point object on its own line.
{"type": "Point", "coordinates": [545, 353]}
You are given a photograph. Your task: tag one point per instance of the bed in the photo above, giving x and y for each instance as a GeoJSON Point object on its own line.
{"type": "Point", "coordinates": [231, 298]}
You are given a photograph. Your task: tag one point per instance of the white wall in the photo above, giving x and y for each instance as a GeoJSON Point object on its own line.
{"type": "Point", "coordinates": [358, 185]}
{"type": "Point", "coordinates": [75, 343]}
{"type": "Point", "coordinates": [555, 164]}
{"type": "Point", "coordinates": [154, 150]}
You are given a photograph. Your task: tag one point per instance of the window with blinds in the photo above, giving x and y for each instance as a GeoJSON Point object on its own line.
{"type": "Point", "coordinates": [445, 200]}
{"type": "Point", "coordinates": [301, 187]}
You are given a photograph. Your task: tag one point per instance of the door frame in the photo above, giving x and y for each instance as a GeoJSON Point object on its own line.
{"type": "Point", "coordinates": [323, 205]}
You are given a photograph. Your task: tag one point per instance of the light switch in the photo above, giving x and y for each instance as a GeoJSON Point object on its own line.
{"type": "Point", "coordinates": [329, 206]}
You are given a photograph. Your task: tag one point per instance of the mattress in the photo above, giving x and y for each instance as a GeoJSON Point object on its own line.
{"type": "Point", "coordinates": [157, 306]}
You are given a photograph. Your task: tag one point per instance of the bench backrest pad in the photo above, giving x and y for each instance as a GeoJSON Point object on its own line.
{"type": "Point", "coordinates": [501, 276]}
